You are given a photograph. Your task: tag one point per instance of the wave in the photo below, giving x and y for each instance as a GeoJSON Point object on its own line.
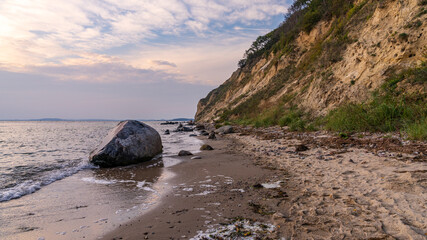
{"type": "Point", "coordinates": [30, 186]}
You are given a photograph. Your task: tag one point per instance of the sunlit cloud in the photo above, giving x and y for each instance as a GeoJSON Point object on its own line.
{"type": "Point", "coordinates": [79, 37]}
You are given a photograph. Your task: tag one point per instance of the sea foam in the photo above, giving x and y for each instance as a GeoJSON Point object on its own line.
{"type": "Point", "coordinates": [31, 186]}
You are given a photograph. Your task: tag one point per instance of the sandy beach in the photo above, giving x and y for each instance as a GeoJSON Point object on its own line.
{"type": "Point", "coordinates": [368, 187]}
{"type": "Point", "coordinates": [205, 193]}
{"type": "Point", "coordinates": [256, 184]}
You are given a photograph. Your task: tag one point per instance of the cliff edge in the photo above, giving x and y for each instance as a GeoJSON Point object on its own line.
{"type": "Point", "coordinates": [324, 55]}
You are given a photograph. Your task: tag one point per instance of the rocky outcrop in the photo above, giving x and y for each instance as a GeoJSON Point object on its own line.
{"type": "Point", "coordinates": [128, 143]}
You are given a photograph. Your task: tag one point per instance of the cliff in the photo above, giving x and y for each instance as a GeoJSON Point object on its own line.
{"type": "Point", "coordinates": [324, 56]}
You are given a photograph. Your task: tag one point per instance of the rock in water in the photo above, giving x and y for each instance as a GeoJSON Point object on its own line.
{"type": "Point", "coordinates": [128, 143]}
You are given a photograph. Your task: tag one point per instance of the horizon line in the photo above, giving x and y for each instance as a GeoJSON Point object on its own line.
{"type": "Point", "coordinates": [94, 119]}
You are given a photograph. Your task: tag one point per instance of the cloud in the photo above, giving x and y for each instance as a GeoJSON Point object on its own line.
{"type": "Point", "coordinates": [164, 63]}
{"type": "Point", "coordinates": [45, 34]}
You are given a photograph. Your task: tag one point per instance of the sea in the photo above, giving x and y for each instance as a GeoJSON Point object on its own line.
{"type": "Point", "coordinates": [49, 188]}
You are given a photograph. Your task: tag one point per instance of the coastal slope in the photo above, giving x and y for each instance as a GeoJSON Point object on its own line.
{"type": "Point", "coordinates": [322, 56]}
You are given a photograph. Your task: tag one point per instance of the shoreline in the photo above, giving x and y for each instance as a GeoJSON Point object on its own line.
{"type": "Point", "coordinates": [331, 190]}
{"type": "Point", "coordinates": [206, 192]}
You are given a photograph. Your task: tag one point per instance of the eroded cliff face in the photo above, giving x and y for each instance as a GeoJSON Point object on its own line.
{"type": "Point", "coordinates": [319, 74]}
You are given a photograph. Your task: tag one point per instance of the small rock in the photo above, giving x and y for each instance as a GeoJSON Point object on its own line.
{"type": "Point", "coordinates": [193, 135]}
{"type": "Point", "coordinates": [301, 148]}
{"type": "Point", "coordinates": [196, 157]}
{"type": "Point", "coordinates": [167, 132]}
{"type": "Point", "coordinates": [184, 153]}
{"type": "Point", "coordinates": [225, 129]}
{"type": "Point", "coordinates": [278, 215]}
{"type": "Point", "coordinates": [204, 133]}
{"type": "Point", "coordinates": [206, 147]}
{"type": "Point", "coordinates": [200, 126]}
{"type": "Point", "coordinates": [212, 135]}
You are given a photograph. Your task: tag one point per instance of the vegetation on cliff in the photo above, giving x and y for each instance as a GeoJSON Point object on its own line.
{"type": "Point", "coordinates": [398, 105]}
{"type": "Point", "coordinates": [390, 109]}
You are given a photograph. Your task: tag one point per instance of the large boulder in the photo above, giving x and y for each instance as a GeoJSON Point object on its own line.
{"type": "Point", "coordinates": [128, 143]}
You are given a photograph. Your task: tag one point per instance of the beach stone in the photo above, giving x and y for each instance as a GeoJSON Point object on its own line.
{"type": "Point", "coordinates": [184, 153]}
{"type": "Point", "coordinates": [167, 132]}
{"type": "Point", "coordinates": [196, 157]}
{"type": "Point", "coordinates": [193, 135]}
{"type": "Point", "coordinates": [212, 135]}
{"type": "Point", "coordinates": [225, 129]}
{"type": "Point", "coordinates": [301, 148]}
{"type": "Point", "coordinates": [206, 147]}
{"type": "Point", "coordinates": [128, 143]}
{"type": "Point", "coordinates": [181, 128]}
{"type": "Point", "coordinates": [204, 133]}
{"type": "Point", "coordinates": [200, 126]}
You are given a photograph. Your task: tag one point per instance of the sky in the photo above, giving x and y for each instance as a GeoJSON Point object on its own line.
{"type": "Point", "coordinates": [122, 59]}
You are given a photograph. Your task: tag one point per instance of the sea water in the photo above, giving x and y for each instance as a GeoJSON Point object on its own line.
{"type": "Point", "coordinates": [46, 163]}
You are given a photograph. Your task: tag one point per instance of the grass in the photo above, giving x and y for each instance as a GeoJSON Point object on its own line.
{"type": "Point", "coordinates": [417, 130]}
{"type": "Point", "coordinates": [294, 118]}
{"type": "Point", "coordinates": [390, 109]}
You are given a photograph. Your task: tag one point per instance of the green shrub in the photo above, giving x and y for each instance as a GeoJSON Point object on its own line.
{"type": "Point", "coordinates": [421, 12]}
{"type": "Point", "coordinates": [415, 24]}
{"type": "Point", "coordinates": [310, 20]}
{"type": "Point", "coordinates": [348, 118]}
{"type": "Point", "coordinates": [389, 109]}
{"type": "Point", "coordinates": [294, 119]}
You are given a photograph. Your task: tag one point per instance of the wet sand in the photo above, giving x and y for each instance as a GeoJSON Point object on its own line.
{"type": "Point", "coordinates": [205, 192]}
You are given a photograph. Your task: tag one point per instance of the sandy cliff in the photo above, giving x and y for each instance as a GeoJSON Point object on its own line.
{"type": "Point", "coordinates": [338, 61]}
